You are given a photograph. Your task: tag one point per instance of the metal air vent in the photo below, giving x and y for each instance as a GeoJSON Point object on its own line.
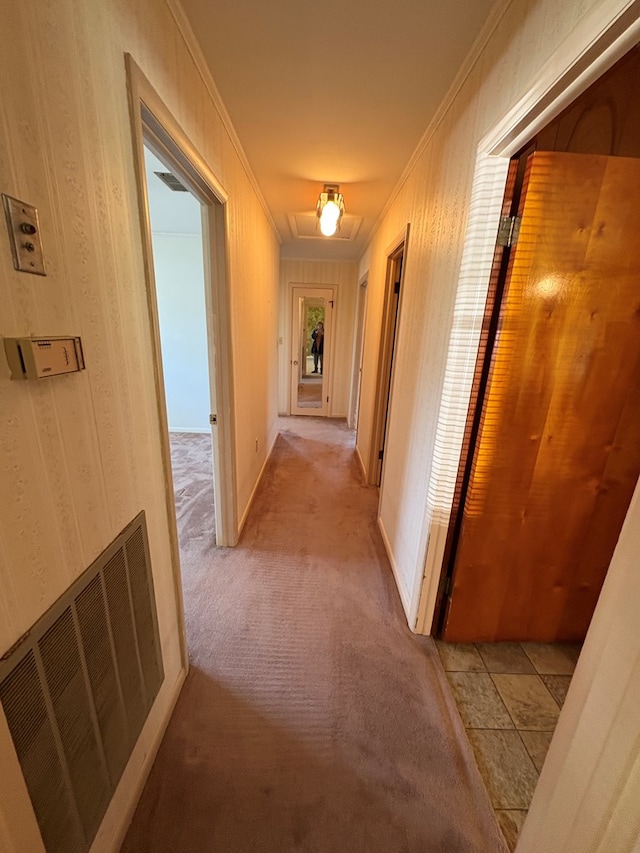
{"type": "Point", "coordinates": [77, 690]}
{"type": "Point", "coordinates": [172, 182]}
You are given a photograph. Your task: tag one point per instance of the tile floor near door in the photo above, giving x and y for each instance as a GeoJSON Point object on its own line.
{"type": "Point", "coordinates": [509, 696]}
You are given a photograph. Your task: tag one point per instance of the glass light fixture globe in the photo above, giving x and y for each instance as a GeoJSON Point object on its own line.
{"type": "Point", "coordinates": [329, 218]}
{"type": "Point", "coordinates": [331, 211]}
{"type": "Point", "coordinates": [328, 226]}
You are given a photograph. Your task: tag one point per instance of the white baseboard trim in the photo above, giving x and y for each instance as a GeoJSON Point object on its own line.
{"type": "Point", "coordinates": [111, 834]}
{"type": "Point", "coordinates": [404, 598]}
{"type": "Point", "coordinates": [257, 483]}
{"type": "Point", "coordinates": [361, 463]}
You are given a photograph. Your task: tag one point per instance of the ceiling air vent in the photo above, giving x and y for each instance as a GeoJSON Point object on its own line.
{"type": "Point", "coordinates": [77, 690]}
{"type": "Point", "coordinates": [172, 182]}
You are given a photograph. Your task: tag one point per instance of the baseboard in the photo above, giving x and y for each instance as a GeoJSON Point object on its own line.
{"type": "Point", "coordinates": [114, 828]}
{"type": "Point", "coordinates": [361, 463]}
{"type": "Point", "coordinates": [194, 430]}
{"type": "Point", "coordinates": [406, 603]}
{"type": "Point", "coordinates": [257, 483]}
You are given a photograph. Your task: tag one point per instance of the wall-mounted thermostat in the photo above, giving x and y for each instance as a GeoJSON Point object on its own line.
{"type": "Point", "coordinates": [35, 358]}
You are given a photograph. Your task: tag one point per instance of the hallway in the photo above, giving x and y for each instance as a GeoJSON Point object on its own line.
{"type": "Point", "coordinates": [311, 719]}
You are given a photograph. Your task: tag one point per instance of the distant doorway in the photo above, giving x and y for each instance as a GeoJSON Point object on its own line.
{"type": "Point", "coordinates": [356, 375]}
{"type": "Point", "coordinates": [311, 350]}
{"type": "Point", "coordinates": [385, 364]}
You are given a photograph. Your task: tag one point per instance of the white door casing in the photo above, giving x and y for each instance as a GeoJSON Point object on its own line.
{"type": "Point", "coordinates": [310, 394]}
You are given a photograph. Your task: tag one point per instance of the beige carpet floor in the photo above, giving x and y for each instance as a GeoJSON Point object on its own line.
{"type": "Point", "coordinates": [192, 469]}
{"type": "Point", "coordinates": [312, 719]}
{"type": "Point", "coordinates": [310, 392]}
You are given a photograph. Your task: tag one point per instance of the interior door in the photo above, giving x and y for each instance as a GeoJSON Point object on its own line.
{"type": "Point", "coordinates": [558, 449]}
{"type": "Point", "coordinates": [356, 376]}
{"type": "Point", "coordinates": [385, 363]}
{"type": "Point", "coordinates": [310, 362]}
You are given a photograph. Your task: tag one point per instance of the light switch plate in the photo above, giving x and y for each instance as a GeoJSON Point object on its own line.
{"type": "Point", "coordinates": [24, 235]}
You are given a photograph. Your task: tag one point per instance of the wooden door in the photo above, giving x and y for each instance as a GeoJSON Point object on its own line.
{"type": "Point", "coordinates": [558, 449]}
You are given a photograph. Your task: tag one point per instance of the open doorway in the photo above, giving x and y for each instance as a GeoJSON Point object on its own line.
{"type": "Point", "coordinates": [311, 342]}
{"type": "Point", "coordinates": [207, 320]}
{"type": "Point", "coordinates": [175, 217]}
{"type": "Point", "coordinates": [552, 453]}
{"type": "Point", "coordinates": [564, 386]}
{"type": "Point", "coordinates": [556, 459]}
{"type": "Point", "coordinates": [556, 454]}
{"type": "Point", "coordinates": [356, 375]}
{"type": "Point", "coordinates": [391, 311]}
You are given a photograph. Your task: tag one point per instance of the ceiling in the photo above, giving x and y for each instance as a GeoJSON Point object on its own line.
{"type": "Point", "coordinates": [332, 91]}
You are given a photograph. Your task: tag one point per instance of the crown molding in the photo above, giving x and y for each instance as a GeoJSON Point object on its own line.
{"type": "Point", "coordinates": [460, 79]}
{"type": "Point", "coordinates": [191, 42]}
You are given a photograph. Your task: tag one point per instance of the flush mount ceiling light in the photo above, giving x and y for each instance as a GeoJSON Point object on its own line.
{"type": "Point", "coordinates": [330, 209]}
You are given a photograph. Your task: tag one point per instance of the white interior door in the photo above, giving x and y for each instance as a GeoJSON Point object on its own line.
{"type": "Point", "coordinates": [310, 378]}
{"type": "Point", "coordinates": [357, 356]}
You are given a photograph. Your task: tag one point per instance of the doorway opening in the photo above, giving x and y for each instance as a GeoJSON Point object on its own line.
{"type": "Point", "coordinates": [356, 374]}
{"type": "Point", "coordinates": [391, 312]}
{"type": "Point", "coordinates": [552, 444]}
{"type": "Point", "coordinates": [556, 393]}
{"type": "Point", "coordinates": [312, 311]}
{"type": "Point", "coordinates": [183, 315]}
{"type": "Point", "coordinates": [175, 217]}
{"type": "Point", "coordinates": [587, 54]}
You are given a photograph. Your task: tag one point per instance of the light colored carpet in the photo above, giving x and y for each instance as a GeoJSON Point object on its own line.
{"type": "Point", "coordinates": [312, 719]}
{"type": "Point", "coordinates": [192, 469]}
{"type": "Point", "coordinates": [310, 392]}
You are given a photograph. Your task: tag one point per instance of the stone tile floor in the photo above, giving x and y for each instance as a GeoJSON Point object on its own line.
{"type": "Point", "coordinates": [509, 696]}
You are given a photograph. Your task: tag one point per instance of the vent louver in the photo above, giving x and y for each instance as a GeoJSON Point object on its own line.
{"type": "Point", "coordinates": [77, 690]}
{"type": "Point", "coordinates": [172, 182]}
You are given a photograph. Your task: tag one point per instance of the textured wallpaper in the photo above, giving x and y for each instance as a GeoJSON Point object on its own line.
{"type": "Point", "coordinates": [80, 454]}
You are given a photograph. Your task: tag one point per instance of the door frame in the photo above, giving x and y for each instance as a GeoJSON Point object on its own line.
{"type": "Point", "coordinates": [154, 126]}
{"type": "Point", "coordinates": [312, 290]}
{"type": "Point", "coordinates": [358, 349]}
{"type": "Point", "coordinates": [391, 311]}
{"type": "Point", "coordinates": [592, 47]}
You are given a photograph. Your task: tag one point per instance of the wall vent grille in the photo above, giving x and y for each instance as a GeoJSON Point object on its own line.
{"type": "Point", "coordinates": [77, 690]}
{"type": "Point", "coordinates": [170, 180]}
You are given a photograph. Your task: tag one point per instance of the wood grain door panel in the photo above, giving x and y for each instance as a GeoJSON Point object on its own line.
{"type": "Point", "coordinates": [558, 450]}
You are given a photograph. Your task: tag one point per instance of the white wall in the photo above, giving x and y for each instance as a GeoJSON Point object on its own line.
{"type": "Point", "coordinates": [80, 455]}
{"type": "Point", "coordinates": [342, 276]}
{"type": "Point", "coordinates": [179, 278]}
